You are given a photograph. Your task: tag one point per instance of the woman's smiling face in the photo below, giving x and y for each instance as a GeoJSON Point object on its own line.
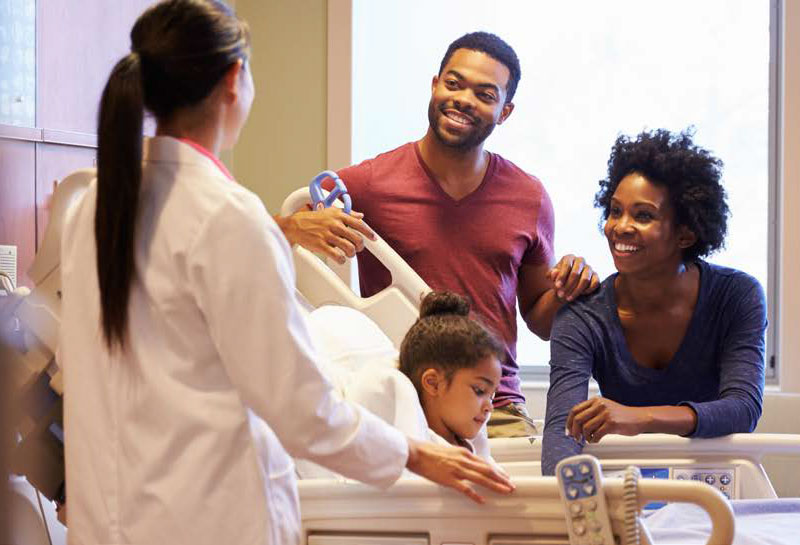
{"type": "Point", "coordinates": [641, 229]}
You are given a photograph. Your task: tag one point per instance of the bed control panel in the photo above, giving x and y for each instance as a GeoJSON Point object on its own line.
{"type": "Point", "coordinates": [723, 480]}
{"type": "Point", "coordinates": [580, 483]}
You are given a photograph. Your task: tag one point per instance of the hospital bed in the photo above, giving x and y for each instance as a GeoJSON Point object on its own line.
{"type": "Point", "coordinates": [731, 464]}
{"type": "Point", "coordinates": [335, 512]}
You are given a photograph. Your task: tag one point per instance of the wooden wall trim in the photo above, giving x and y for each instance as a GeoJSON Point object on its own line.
{"type": "Point", "coordinates": [69, 138]}
{"type": "Point", "coordinates": [48, 136]}
{"type": "Point", "coordinates": [12, 132]}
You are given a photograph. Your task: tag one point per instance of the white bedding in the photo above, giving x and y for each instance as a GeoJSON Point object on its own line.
{"type": "Point", "coordinates": [758, 522]}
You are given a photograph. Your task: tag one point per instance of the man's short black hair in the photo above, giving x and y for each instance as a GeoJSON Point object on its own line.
{"type": "Point", "coordinates": [690, 174]}
{"type": "Point", "coordinates": [493, 46]}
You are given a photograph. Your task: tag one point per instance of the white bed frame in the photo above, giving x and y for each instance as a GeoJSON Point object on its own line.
{"type": "Point", "coordinates": [415, 512]}
{"type": "Point", "coordinates": [734, 461]}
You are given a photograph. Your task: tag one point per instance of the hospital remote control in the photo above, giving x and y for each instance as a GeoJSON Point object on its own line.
{"type": "Point", "coordinates": [581, 488]}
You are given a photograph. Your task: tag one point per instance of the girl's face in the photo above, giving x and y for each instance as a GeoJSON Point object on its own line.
{"type": "Point", "coordinates": [461, 407]}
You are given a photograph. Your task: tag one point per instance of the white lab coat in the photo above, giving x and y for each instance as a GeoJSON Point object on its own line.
{"type": "Point", "coordinates": [158, 441]}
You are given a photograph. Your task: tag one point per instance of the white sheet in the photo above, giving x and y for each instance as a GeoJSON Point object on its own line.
{"type": "Point", "coordinates": [758, 522]}
{"type": "Point", "coordinates": [362, 362]}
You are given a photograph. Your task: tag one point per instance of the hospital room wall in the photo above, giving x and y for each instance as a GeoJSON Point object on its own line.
{"type": "Point", "coordinates": [70, 70]}
{"type": "Point", "coordinates": [284, 142]}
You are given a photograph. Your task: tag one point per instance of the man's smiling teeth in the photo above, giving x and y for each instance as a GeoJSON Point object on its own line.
{"type": "Point", "coordinates": [625, 247]}
{"type": "Point", "coordinates": [458, 118]}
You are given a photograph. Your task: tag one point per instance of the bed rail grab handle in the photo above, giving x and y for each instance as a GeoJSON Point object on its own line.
{"type": "Point", "coordinates": [404, 277]}
{"type": "Point", "coordinates": [707, 497]}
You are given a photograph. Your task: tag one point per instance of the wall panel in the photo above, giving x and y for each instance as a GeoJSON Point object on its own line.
{"type": "Point", "coordinates": [78, 44]}
{"type": "Point", "coordinates": [18, 202]}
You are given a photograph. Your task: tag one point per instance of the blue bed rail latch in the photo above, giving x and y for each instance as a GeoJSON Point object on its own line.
{"type": "Point", "coordinates": [339, 190]}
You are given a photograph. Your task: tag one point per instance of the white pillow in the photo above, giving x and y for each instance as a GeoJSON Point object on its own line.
{"type": "Point", "coordinates": [350, 338]}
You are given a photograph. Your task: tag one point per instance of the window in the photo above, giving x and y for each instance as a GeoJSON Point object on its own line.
{"type": "Point", "coordinates": [590, 70]}
{"type": "Point", "coordinates": [18, 62]}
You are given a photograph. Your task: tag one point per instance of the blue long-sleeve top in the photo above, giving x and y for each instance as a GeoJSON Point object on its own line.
{"type": "Point", "coordinates": [718, 369]}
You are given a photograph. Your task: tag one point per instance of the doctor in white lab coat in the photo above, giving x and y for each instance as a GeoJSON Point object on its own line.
{"type": "Point", "coordinates": [179, 317]}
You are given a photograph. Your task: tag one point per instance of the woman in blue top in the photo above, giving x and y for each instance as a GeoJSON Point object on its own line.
{"type": "Point", "coordinates": [675, 343]}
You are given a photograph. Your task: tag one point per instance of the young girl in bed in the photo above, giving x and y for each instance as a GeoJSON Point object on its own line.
{"type": "Point", "coordinates": [454, 363]}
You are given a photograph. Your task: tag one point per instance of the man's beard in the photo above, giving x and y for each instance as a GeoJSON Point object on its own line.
{"type": "Point", "coordinates": [466, 142]}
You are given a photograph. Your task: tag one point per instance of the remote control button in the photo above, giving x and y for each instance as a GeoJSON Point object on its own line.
{"type": "Point", "coordinates": [576, 508]}
{"type": "Point", "coordinates": [579, 529]}
{"type": "Point", "coordinates": [591, 505]}
{"type": "Point", "coordinates": [567, 472]}
{"type": "Point", "coordinates": [710, 479]}
{"type": "Point", "coordinates": [595, 525]}
{"type": "Point", "coordinates": [585, 469]}
{"type": "Point", "coordinates": [588, 488]}
{"type": "Point", "coordinates": [697, 477]}
{"type": "Point", "coordinates": [725, 479]}
{"type": "Point", "coordinates": [597, 540]}
{"type": "Point", "coordinates": [681, 477]}
{"type": "Point", "coordinates": [572, 492]}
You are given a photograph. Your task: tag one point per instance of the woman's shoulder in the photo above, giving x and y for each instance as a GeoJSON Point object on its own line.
{"type": "Point", "coordinates": [729, 282]}
{"type": "Point", "coordinates": [594, 311]}
{"type": "Point", "coordinates": [600, 301]}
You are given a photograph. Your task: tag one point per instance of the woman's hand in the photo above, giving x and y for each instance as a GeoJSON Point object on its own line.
{"type": "Point", "coordinates": [598, 416]}
{"type": "Point", "coordinates": [326, 231]}
{"type": "Point", "coordinates": [456, 468]}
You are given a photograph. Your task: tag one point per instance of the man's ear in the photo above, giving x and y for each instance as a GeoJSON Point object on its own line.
{"type": "Point", "coordinates": [508, 107]}
{"type": "Point", "coordinates": [686, 237]}
{"type": "Point", "coordinates": [230, 81]}
{"type": "Point", "coordinates": [432, 382]}
{"type": "Point", "coordinates": [434, 83]}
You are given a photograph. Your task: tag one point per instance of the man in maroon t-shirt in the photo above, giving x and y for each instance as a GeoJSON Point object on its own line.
{"type": "Point", "coordinates": [465, 219]}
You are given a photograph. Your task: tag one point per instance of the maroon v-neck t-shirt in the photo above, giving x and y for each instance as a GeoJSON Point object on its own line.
{"type": "Point", "coordinates": [473, 246]}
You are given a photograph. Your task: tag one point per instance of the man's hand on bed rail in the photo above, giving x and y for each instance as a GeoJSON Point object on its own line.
{"type": "Point", "coordinates": [457, 468]}
{"type": "Point", "coordinates": [572, 277]}
{"type": "Point", "coordinates": [326, 231]}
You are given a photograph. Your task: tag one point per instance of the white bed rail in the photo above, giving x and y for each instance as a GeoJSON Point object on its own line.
{"type": "Point", "coordinates": [656, 445]}
{"type": "Point", "coordinates": [320, 281]}
{"type": "Point", "coordinates": [418, 509]}
{"type": "Point", "coordinates": [40, 310]}
{"type": "Point", "coordinates": [741, 452]}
